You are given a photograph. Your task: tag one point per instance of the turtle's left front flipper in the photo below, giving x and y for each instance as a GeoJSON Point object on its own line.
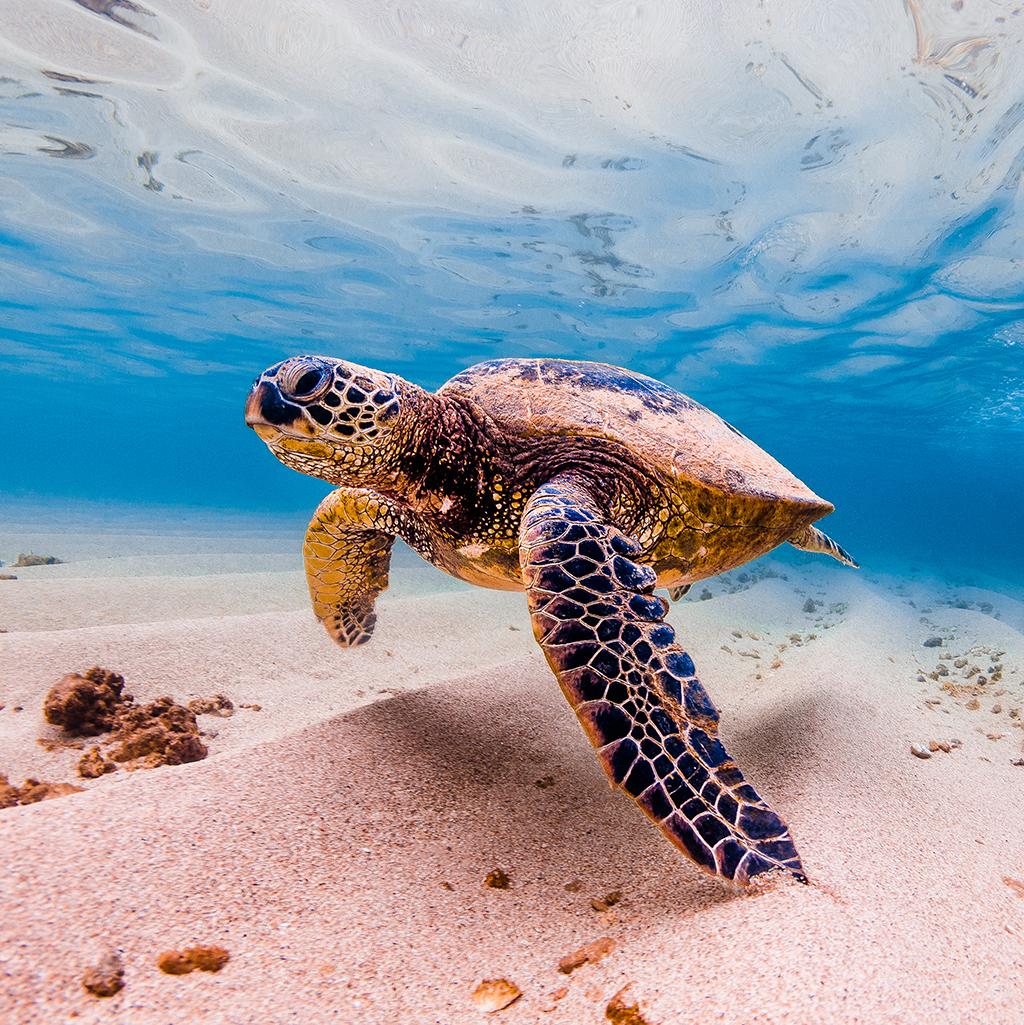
{"type": "Point", "coordinates": [635, 690]}
{"type": "Point", "coordinates": [347, 555]}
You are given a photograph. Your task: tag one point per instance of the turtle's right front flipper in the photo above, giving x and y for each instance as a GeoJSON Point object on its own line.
{"type": "Point", "coordinates": [347, 553]}
{"type": "Point", "coordinates": [635, 690]}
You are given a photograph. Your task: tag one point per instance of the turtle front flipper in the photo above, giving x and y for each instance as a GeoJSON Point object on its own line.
{"type": "Point", "coordinates": [635, 690]}
{"type": "Point", "coordinates": [347, 553]}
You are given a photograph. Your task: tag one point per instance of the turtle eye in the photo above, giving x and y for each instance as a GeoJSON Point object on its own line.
{"type": "Point", "coordinates": [308, 383]}
{"type": "Point", "coordinates": [306, 380]}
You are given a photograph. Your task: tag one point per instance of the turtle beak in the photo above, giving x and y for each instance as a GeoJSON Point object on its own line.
{"type": "Point", "coordinates": [252, 407]}
{"type": "Point", "coordinates": [266, 410]}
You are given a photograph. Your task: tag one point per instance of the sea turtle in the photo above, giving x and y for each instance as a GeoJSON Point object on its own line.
{"type": "Point", "coordinates": [587, 486]}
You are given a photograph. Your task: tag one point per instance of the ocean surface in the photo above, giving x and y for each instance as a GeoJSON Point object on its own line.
{"type": "Point", "coordinates": [807, 215]}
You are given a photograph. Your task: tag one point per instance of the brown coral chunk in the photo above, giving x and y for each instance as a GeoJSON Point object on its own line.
{"type": "Point", "coordinates": [32, 791]}
{"type": "Point", "coordinates": [8, 794]}
{"type": "Point", "coordinates": [92, 764]}
{"type": "Point", "coordinates": [219, 704]}
{"type": "Point", "coordinates": [589, 953]}
{"type": "Point", "coordinates": [144, 736]}
{"type": "Point", "coordinates": [181, 962]}
{"type": "Point", "coordinates": [35, 791]}
{"type": "Point", "coordinates": [105, 978]}
{"type": "Point", "coordinates": [160, 733]}
{"type": "Point", "coordinates": [86, 704]}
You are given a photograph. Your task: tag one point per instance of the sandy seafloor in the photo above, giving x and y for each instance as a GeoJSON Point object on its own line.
{"type": "Point", "coordinates": [336, 841]}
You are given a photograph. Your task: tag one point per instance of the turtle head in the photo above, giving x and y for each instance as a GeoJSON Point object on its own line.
{"type": "Point", "coordinates": [331, 419]}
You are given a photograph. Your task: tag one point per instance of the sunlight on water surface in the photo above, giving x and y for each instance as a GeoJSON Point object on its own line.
{"type": "Point", "coordinates": [806, 215]}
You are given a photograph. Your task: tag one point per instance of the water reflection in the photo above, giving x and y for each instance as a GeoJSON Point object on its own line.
{"type": "Point", "coordinates": [784, 208]}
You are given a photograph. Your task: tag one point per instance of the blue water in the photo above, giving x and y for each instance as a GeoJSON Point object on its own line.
{"type": "Point", "coordinates": [808, 217]}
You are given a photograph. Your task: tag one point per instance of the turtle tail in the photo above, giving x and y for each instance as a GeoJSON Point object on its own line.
{"type": "Point", "coordinates": [810, 539]}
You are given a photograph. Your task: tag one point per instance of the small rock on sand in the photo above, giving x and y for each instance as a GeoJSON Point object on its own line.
{"type": "Point", "coordinates": [495, 995]}
{"type": "Point", "coordinates": [106, 977]}
{"type": "Point", "coordinates": [174, 962]}
{"type": "Point", "coordinates": [933, 642]}
{"type": "Point", "coordinates": [497, 879]}
{"type": "Point", "coordinates": [555, 995]}
{"type": "Point", "coordinates": [36, 560]}
{"type": "Point", "coordinates": [1016, 885]}
{"type": "Point", "coordinates": [609, 900]}
{"type": "Point", "coordinates": [920, 750]}
{"type": "Point", "coordinates": [620, 1013]}
{"type": "Point", "coordinates": [204, 959]}
{"type": "Point", "coordinates": [589, 953]}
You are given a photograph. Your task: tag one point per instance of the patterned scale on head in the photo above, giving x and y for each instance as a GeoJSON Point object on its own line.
{"type": "Point", "coordinates": [586, 486]}
{"type": "Point", "coordinates": [323, 403]}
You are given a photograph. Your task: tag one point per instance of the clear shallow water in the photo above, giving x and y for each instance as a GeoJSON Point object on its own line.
{"type": "Point", "coordinates": [806, 215]}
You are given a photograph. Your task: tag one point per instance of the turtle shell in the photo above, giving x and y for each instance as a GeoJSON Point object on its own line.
{"type": "Point", "coordinates": [666, 431]}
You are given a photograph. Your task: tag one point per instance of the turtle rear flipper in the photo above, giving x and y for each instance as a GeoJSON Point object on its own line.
{"type": "Point", "coordinates": [347, 554]}
{"type": "Point", "coordinates": [810, 539]}
{"type": "Point", "coordinates": [636, 691]}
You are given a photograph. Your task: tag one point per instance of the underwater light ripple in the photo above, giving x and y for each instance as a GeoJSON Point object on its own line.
{"type": "Point", "coordinates": [809, 220]}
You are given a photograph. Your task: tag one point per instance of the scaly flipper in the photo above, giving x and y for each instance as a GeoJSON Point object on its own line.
{"type": "Point", "coordinates": [635, 690]}
{"type": "Point", "coordinates": [347, 553]}
{"type": "Point", "coordinates": [676, 593]}
{"type": "Point", "coordinates": [810, 539]}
